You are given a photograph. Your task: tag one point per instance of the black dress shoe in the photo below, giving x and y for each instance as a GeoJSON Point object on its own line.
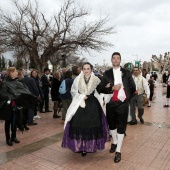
{"type": "Point", "coordinates": [141, 120]}
{"type": "Point", "coordinates": [32, 124]}
{"type": "Point", "coordinates": [113, 148]}
{"type": "Point", "coordinates": [9, 143]}
{"type": "Point", "coordinates": [56, 116]}
{"type": "Point", "coordinates": [15, 140]}
{"type": "Point", "coordinates": [41, 111]}
{"type": "Point", "coordinates": [117, 157]}
{"type": "Point", "coordinates": [166, 105]}
{"type": "Point", "coordinates": [83, 154]}
{"type": "Point", "coordinates": [133, 123]}
{"type": "Point", "coordinates": [48, 111]}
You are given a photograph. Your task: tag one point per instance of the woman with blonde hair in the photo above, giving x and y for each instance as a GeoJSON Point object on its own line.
{"type": "Point", "coordinates": [13, 97]}
{"type": "Point", "coordinates": [55, 94]}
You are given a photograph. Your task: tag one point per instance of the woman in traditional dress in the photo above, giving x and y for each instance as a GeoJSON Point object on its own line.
{"type": "Point", "coordinates": [86, 129]}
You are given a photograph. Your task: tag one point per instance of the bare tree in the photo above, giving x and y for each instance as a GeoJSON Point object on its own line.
{"type": "Point", "coordinates": [42, 37]}
{"type": "Point", "coordinates": [2, 46]}
{"type": "Point", "coordinates": [76, 60]}
{"type": "Point", "coordinates": [66, 58]}
{"type": "Point", "coordinates": [163, 61]}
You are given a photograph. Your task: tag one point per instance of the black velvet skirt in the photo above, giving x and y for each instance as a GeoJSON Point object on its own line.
{"type": "Point", "coordinates": [86, 124]}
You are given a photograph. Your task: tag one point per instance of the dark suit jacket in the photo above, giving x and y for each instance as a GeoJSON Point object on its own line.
{"type": "Point", "coordinates": [45, 83]}
{"type": "Point", "coordinates": [31, 85]}
{"type": "Point", "coordinates": [108, 77]}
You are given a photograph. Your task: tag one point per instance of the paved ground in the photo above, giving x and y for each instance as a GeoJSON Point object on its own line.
{"type": "Point", "coordinates": [146, 147]}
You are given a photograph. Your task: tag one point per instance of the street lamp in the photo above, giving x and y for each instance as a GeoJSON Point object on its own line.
{"type": "Point", "coordinates": [137, 62]}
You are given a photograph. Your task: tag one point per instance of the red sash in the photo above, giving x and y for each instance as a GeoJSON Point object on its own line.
{"type": "Point", "coordinates": [115, 95]}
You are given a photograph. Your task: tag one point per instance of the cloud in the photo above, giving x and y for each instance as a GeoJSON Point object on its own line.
{"type": "Point", "coordinates": [142, 26]}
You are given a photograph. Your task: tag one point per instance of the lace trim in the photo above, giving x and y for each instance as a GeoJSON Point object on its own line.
{"type": "Point", "coordinates": [88, 88]}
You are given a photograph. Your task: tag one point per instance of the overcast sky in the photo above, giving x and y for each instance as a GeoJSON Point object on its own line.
{"type": "Point", "coordinates": [142, 26]}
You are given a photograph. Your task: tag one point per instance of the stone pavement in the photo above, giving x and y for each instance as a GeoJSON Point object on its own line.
{"type": "Point", "coordinates": [146, 147]}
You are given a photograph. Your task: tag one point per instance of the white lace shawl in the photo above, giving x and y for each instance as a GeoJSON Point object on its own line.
{"type": "Point", "coordinates": [79, 90]}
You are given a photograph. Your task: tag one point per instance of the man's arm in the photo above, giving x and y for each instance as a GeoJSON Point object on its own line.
{"type": "Point", "coordinates": [146, 87]}
{"type": "Point", "coordinates": [131, 83]}
{"type": "Point", "coordinates": [102, 87]}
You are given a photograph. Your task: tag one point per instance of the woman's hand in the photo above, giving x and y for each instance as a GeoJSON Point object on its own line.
{"type": "Point", "coordinates": [85, 97]}
{"type": "Point", "coordinates": [108, 85]}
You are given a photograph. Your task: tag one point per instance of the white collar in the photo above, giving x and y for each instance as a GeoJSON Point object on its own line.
{"type": "Point", "coordinates": [116, 69]}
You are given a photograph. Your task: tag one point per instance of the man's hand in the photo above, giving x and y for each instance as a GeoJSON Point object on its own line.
{"type": "Point", "coordinates": [136, 92]}
{"type": "Point", "coordinates": [116, 87]}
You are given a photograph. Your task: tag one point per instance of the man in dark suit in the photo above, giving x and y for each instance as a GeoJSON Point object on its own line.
{"type": "Point", "coordinates": [168, 90]}
{"type": "Point", "coordinates": [45, 87]}
{"type": "Point", "coordinates": [32, 87]}
{"type": "Point", "coordinates": [119, 82]}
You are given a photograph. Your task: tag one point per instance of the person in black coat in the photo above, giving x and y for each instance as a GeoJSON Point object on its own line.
{"type": "Point", "coordinates": [32, 87]}
{"type": "Point", "coordinates": [40, 101]}
{"type": "Point", "coordinates": [55, 94]}
{"type": "Point", "coordinates": [119, 82]}
{"type": "Point", "coordinates": [45, 88]}
{"type": "Point", "coordinates": [10, 122]}
{"type": "Point", "coordinates": [151, 88]}
{"type": "Point", "coordinates": [14, 96]}
{"type": "Point", "coordinates": [164, 79]}
{"type": "Point", "coordinates": [168, 90]}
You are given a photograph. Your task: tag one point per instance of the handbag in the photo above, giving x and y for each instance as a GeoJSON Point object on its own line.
{"type": "Point", "coordinates": [144, 99]}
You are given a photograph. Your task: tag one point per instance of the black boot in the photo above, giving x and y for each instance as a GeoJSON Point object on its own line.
{"type": "Point", "coordinates": [55, 108]}
{"type": "Point", "coordinates": [8, 142]}
{"type": "Point", "coordinates": [56, 116]}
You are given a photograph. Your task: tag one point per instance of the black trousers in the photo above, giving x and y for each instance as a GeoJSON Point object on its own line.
{"type": "Point", "coordinates": [41, 104]}
{"type": "Point", "coordinates": [46, 100]}
{"type": "Point", "coordinates": [117, 114]}
{"type": "Point", "coordinates": [10, 124]}
{"type": "Point", "coordinates": [151, 95]}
